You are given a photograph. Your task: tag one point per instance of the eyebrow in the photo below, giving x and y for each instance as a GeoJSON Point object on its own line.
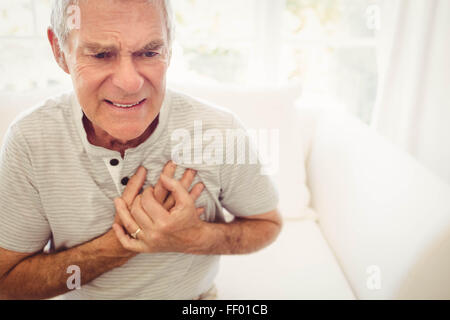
{"type": "Point", "coordinates": [96, 47]}
{"type": "Point", "coordinates": [153, 45]}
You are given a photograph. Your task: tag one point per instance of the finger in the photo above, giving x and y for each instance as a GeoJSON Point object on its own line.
{"type": "Point", "coordinates": [188, 178]}
{"type": "Point", "coordinates": [180, 194]}
{"type": "Point", "coordinates": [200, 211]}
{"type": "Point", "coordinates": [117, 218]}
{"type": "Point", "coordinates": [161, 192]}
{"type": "Point", "coordinates": [128, 222]}
{"type": "Point", "coordinates": [134, 185]}
{"type": "Point", "coordinates": [169, 203]}
{"type": "Point", "coordinates": [140, 216]}
{"type": "Point", "coordinates": [126, 241]}
{"type": "Point", "coordinates": [152, 208]}
{"type": "Point", "coordinates": [186, 182]}
{"type": "Point", "coordinates": [197, 191]}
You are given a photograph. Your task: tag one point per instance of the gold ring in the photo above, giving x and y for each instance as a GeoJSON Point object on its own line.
{"type": "Point", "coordinates": [134, 235]}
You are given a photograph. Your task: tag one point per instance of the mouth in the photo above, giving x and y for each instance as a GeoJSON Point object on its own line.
{"type": "Point", "coordinates": [126, 105]}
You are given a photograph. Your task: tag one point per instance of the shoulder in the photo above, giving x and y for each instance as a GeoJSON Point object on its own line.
{"type": "Point", "coordinates": [48, 118]}
{"type": "Point", "coordinates": [49, 109]}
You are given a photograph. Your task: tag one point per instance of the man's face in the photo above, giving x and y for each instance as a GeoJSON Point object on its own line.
{"type": "Point", "coordinates": [117, 59]}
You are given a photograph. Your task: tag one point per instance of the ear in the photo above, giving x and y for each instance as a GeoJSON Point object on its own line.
{"type": "Point", "coordinates": [57, 52]}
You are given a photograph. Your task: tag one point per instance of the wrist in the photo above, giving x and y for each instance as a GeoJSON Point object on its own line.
{"type": "Point", "coordinates": [109, 246]}
{"type": "Point", "coordinates": [205, 241]}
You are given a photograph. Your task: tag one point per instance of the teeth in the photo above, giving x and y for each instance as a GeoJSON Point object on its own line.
{"type": "Point", "coordinates": [125, 105]}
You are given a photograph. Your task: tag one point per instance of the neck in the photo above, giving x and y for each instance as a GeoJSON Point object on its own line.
{"type": "Point", "coordinates": [101, 138]}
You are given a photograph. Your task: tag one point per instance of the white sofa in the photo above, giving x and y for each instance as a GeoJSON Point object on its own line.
{"type": "Point", "coordinates": [362, 220]}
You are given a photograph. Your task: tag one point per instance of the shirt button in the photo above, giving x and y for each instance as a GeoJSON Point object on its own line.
{"type": "Point", "coordinates": [125, 181]}
{"type": "Point", "coordinates": [114, 162]}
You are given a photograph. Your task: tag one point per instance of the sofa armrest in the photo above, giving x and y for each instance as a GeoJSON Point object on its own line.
{"type": "Point", "coordinates": [386, 217]}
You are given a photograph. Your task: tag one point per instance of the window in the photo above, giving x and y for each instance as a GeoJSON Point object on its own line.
{"type": "Point", "coordinates": [328, 46]}
{"type": "Point", "coordinates": [26, 59]}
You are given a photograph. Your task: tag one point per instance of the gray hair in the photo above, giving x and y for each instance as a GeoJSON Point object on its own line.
{"type": "Point", "coordinates": [59, 18]}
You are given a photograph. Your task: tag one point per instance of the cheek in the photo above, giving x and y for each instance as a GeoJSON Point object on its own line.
{"type": "Point", "coordinates": [155, 73]}
{"type": "Point", "coordinates": [87, 77]}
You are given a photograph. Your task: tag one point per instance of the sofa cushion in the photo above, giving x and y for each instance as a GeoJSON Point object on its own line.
{"type": "Point", "coordinates": [298, 265]}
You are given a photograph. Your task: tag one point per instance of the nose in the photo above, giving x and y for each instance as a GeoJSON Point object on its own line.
{"type": "Point", "coordinates": [126, 77]}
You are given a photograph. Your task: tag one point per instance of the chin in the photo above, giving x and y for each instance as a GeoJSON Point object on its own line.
{"type": "Point", "coordinates": [126, 135]}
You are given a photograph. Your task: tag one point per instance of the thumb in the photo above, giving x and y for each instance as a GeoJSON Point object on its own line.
{"type": "Point", "coordinates": [134, 186]}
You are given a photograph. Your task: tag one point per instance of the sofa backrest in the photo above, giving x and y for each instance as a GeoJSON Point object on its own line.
{"type": "Point", "coordinates": [386, 217]}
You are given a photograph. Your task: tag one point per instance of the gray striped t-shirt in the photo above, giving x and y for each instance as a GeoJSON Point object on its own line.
{"type": "Point", "coordinates": [55, 185]}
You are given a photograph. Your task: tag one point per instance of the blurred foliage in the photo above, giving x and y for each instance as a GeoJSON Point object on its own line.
{"type": "Point", "coordinates": [327, 11]}
{"type": "Point", "coordinates": [343, 18]}
{"type": "Point", "coordinates": [207, 38]}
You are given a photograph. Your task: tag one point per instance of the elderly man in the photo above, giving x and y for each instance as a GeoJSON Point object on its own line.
{"type": "Point", "coordinates": [90, 170]}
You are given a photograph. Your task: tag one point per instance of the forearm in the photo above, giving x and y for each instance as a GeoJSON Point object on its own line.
{"type": "Point", "coordinates": [44, 276]}
{"type": "Point", "coordinates": [242, 236]}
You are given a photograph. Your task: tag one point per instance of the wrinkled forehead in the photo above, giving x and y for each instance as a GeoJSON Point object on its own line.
{"type": "Point", "coordinates": [122, 23]}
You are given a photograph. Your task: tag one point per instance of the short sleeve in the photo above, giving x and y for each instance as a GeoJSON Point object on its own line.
{"type": "Point", "coordinates": [246, 189]}
{"type": "Point", "coordinates": [23, 226]}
